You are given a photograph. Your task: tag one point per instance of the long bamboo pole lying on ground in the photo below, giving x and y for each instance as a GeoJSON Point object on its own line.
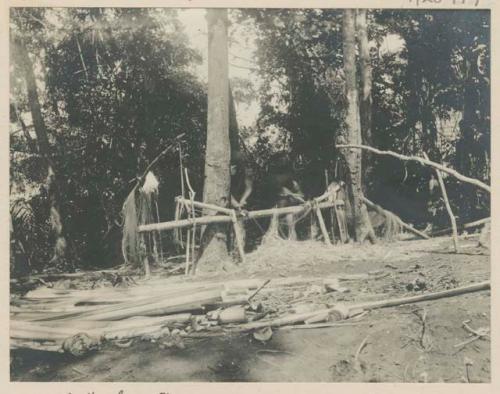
{"type": "Point", "coordinates": [401, 223]}
{"type": "Point", "coordinates": [301, 317]}
{"type": "Point", "coordinates": [422, 161]}
{"type": "Point", "coordinates": [204, 220]}
{"type": "Point", "coordinates": [424, 297]}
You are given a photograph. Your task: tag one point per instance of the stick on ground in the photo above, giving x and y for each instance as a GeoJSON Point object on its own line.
{"type": "Point", "coordinates": [357, 364]}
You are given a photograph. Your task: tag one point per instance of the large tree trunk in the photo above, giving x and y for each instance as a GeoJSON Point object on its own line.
{"type": "Point", "coordinates": [59, 258]}
{"type": "Point", "coordinates": [359, 215]}
{"type": "Point", "coordinates": [366, 92]}
{"type": "Point", "coordinates": [216, 189]}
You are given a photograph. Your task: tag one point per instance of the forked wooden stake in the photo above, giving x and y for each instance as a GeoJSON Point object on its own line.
{"type": "Point", "coordinates": [188, 248]}
{"type": "Point", "coordinates": [449, 210]}
{"type": "Point", "coordinates": [448, 207]}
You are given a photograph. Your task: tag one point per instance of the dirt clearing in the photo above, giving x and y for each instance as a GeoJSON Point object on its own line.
{"type": "Point", "coordinates": [424, 342]}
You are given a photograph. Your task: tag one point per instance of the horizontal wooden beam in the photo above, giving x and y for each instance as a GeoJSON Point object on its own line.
{"type": "Point", "coordinates": [203, 205]}
{"type": "Point", "coordinates": [204, 220]}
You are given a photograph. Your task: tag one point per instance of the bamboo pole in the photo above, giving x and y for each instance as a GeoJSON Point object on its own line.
{"type": "Point", "coordinates": [330, 210]}
{"type": "Point", "coordinates": [378, 208]}
{"type": "Point", "coordinates": [204, 205]}
{"type": "Point", "coordinates": [301, 317]}
{"type": "Point", "coordinates": [448, 207]}
{"type": "Point", "coordinates": [424, 297]}
{"type": "Point", "coordinates": [174, 305]}
{"type": "Point", "coordinates": [193, 229]}
{"type": "Point", "coordinates": [204, 220]}
{"type": "Point", "coordinates": [188, 248]}
{"type": "Point", "coordinates": [422, 161]}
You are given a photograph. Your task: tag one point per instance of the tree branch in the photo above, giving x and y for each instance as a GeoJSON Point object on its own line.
{"type": "Point", "coordinates": [422, 161]}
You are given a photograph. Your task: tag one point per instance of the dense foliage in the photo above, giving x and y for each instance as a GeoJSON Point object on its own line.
{"type": "Point", "coordinates": [117, 85]}
{"type": "Point", "coordinates": [430, 94]}
{"type": "Point", "coordinates": [118, 89]}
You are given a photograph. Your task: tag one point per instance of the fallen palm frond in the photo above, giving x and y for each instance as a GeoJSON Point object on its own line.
{"type": "Point", "coordinates": [130, 238]}
{"type": "Point", "coordinates": [141, 207]}
{"type": "Point", "coordinates": [130, 211]}
{"type": "Point", "coordinates": [152, 310]}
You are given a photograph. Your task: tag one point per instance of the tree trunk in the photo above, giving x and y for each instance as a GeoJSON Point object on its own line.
{"type": "Point", "coordinates": [217, 160]}
{"type": "Point", "coordinates": [366, 92]}
{"type": "Point", "coordinates": [233, 127]}
{"type": "Point", "coordinates": [353, 132]}
{"type": "Point", "coordinates": [59, 257]}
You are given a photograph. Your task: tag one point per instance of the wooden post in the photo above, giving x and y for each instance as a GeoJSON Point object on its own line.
{"type": "Point", "coordinates": [330, 210]}
{"type": "Point", "coordinates": [332, 224]}
{"type": "Point", "coordinates": [449, 210]}
{"type": "Point", "coordinates": [147, 271]}
{"type": "Point", "coordinates": [144, 250]}
{"type": "Point", "coordinates": [322, 226]}
{"type": "Point", "coordinates": [448, 207]}
{"type": "Point", "coordinates": [341, 220]}
{"type": "Point", "coordinates": [188, 247]}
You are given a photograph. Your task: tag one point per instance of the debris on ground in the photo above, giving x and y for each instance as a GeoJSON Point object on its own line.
{"type": "Point", "coordinates": [77, 321]}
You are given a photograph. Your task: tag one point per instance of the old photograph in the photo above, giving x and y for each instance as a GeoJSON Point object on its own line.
{"type": "Point", "coordinates": [249, 195]}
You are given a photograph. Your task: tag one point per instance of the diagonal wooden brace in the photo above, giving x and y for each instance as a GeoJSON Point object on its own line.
{"type": "Point", "coordinates": [322, 225]}
{"type": "Point", "coordinates": [238, 236]}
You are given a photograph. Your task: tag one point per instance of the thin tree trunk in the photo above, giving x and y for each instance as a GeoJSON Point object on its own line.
{"type": "Point", "coordinates": [59, 257]}
{"type": "Point", "coordinates": [217, 160]}
{"type": "Point", "coordinates": [233, 127]}
{"type": "Point", "coordinates": [366, 91]}
{"type": "Point", "coordinates": [353, 123]}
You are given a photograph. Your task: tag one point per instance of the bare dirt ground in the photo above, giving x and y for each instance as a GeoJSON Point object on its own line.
{"type": "Point", "coordinates": [411, 343]}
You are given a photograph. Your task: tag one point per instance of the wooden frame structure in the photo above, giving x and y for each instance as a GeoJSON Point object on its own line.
{"type": "Point", "coordinates": [216, 214]}
{"type": "Point", "coordinates": [225, 215]}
